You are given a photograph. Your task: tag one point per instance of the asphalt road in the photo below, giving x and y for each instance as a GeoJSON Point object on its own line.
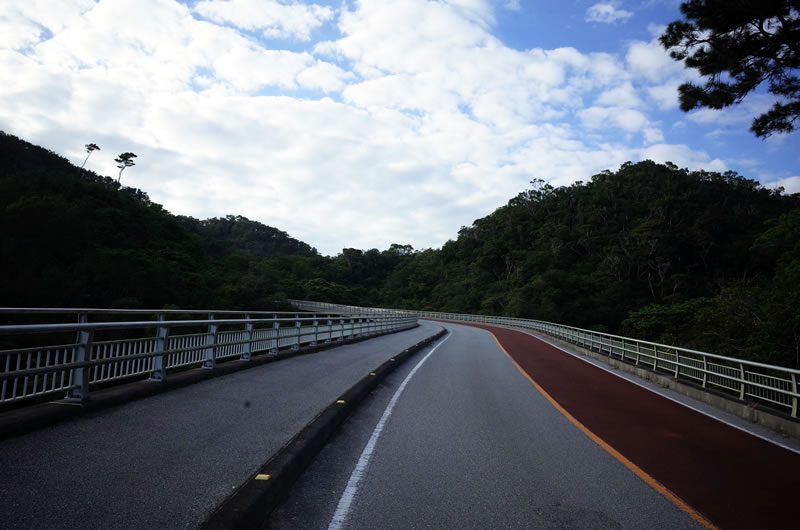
{"type": "Point", "coordinates": [168, 460]}
{"type": "Point", "coordinates": [471, 443]}
{"type": "Point", "coordinates": [732, 478]}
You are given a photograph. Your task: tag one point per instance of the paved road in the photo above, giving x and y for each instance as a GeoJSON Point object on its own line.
{"type": "Point", "coordinates": [167, 461]}
{"type": "Point", "coordinates": [734, 479]}
{"type": "Point", "coordinates": [472, 444]}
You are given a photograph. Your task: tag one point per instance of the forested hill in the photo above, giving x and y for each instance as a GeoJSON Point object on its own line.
{"type": "Point", "coordinates": [700, 259]}
{"type": "Point", "coordinates": [75, 238]}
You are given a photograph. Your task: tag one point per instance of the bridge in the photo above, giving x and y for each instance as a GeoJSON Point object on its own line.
{"type": "Point", "coordinates": [349, 418]}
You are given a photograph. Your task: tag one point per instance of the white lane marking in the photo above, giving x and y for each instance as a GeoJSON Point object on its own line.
{"type": "Point", "coordinates": [343, 509]}
{"type": "Point", "coordinates": [665, 396]}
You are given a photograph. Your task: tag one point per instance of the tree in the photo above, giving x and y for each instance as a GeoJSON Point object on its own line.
{"type": "Point", "coordinates": [124, 160]}
{"type": "Point", "coordinates": [737, 45]}
{"type": "Point", "coordinates": [90, 148]}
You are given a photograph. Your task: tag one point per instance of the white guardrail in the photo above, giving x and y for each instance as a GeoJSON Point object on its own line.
{"type": "Point", "coordinates": [41, 358]}
{"type": "Point", "coordinates": [773, 386]}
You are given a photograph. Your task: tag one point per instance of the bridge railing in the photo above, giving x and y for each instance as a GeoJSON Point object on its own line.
{"type": "Point", "coordinates": [40, 355]}
{"type": "Point", "coordinates": [774, 386]}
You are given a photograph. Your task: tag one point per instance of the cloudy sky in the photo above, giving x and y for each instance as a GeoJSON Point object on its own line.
{"type": "Point", "coordinates": [363, 123]}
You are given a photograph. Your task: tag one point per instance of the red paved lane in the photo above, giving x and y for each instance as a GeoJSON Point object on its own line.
{"type": "Point", "coordinates": [732, 478]}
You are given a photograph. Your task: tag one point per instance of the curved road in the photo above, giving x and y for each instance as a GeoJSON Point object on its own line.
{"type": "Point", "coordinates": [471, 443]}
{"type": "Point", "coordinates": [473, 440]}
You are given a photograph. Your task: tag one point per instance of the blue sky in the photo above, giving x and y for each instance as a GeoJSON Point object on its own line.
{"type": "Point", "coordinates": [361, 124]}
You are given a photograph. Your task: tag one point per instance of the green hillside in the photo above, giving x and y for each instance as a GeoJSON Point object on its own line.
{"type": "Point", "coordinates": [701, 259]}
{"type": "Point", "coordinates": [695, 258]}
{"type": "Point", "coordinates": [74, 238]}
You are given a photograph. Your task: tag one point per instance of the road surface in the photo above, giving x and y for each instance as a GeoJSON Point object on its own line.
{"type": "Point", "coordinates": [167, 461]}
{"type": "Point", "coordinates": [471, 443]}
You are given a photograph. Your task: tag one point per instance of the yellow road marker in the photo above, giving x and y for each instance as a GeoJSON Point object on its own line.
{"type": "Point", "coordinates": [639, 472]}
{"type": "Point", "coordinates": [340, 401]}
{"type": "Point", "coordinates": [262, 476]}
{"type": "Point", "coordinates": [372, 373]}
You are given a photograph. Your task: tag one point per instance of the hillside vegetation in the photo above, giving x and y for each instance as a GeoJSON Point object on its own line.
{"type": "Point", "coordinates": [701, 259]}
{"type": "Point", "coordinates": [696, 258]}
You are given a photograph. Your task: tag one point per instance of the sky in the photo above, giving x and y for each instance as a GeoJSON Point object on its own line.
{"type": "Point", "coordinates": [363, 123]}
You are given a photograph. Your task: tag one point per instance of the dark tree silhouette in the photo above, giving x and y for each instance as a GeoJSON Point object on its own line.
{"type": "Point", "coordinates": [90, 148]}
{"type": "Point", "coordinates": [737, 45]}
{"type": "Point", "coordinates": [124, 160]}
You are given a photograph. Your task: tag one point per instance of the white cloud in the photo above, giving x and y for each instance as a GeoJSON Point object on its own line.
{"type": "Point", "coordinates": [248, 68]}
{"type": "Point", "coordinates": [682, 156]}
{"type": "Point", "coordinates": [274, 19]}
{"type": "Point", "coordinates": [665, 95]}
{"type": "Point", "coordinates": [737, 115]}
{"type": "Point", "coordinates": [324, 76]}
{"type": "Point", "coordinates": [651, 61]}
{"type": "Point", "coordinates": [606, 13]}
{"type": "Point", "coordinates": [413, 122]}
{"type": "Point", "coordinates": [623, 95]}
{"type": "Point", "coordinates": [790, 185]}
{"type": "Point", "coordinates": [24, 23]}
{"type": "Point", "coordinates": [629, 120]}
{"type": "Point", "coordinates": [653, 135]}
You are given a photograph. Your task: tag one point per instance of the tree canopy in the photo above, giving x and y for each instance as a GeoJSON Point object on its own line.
{"type": "Point", "coordinates": [736, 45]}
{"type": "Point", "coordinates": [90, 148]}
{"type": "Point", "coordinates": [124, 160]}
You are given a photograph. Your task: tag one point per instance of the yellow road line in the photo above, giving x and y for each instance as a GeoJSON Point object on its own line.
{"type": "Point", "coordinates": [610, 450]}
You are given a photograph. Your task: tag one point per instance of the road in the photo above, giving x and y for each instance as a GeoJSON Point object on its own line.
{"type": "Point", "coordinates": [735, 479]}
{"type": "Point", "coordinates": [512, 434]}
{"type": "Point", "coordinates": [471, 443]}
{"type": "Point", "coordinates": [168, 460]}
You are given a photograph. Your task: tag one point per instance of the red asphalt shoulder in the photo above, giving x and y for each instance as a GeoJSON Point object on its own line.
{"type": "Point", "coordinates": [735, 479]}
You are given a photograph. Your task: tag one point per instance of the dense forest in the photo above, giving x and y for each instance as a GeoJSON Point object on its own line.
{"type": "Point", "coordinates": [701, 259]}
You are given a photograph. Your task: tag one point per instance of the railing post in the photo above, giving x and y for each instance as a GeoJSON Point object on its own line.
{"type": "Point", "coordinates": [705, 371]}
{"type": "Point", "coordinates": [794, 397]}
{"type": "Point", "coordinates": [638, 352]}
{"type": "Point", "coordinates": [159, 372]}
{"type": "Point", "coordinates": [211, 342]}
{"type": "Point", "coordinates": [276, 325]}
{"type": "Point", "coordinates": [316, 332]}
{"type": "Point", "coordinates": [742, 390]}
{"type": "Point", "coordinates": [248, 336]}
{"type": "Point", "coordinates": [330, 331]}
{"type": "Point", "coordinates": [297, 325]}
{"type": "Point", "coordinates": [341, 331]}
{"type": "Point", "coordinates": [677, 364]}
{"type": "Point", "coordinates": [80, 375]}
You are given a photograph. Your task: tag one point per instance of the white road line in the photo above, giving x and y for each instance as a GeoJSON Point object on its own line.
{"type": "Point", "coordinates": [343, 509]}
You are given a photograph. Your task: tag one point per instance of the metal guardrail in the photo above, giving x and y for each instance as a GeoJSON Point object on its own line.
{"type": "Point", "coordinates": [771, 385]}
{"type": "Point", "coordinates": [102, 346]}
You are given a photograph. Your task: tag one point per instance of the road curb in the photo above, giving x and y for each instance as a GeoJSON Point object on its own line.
{"type": "Point", "coordinates": [250, 505]}
{"type": "Point", "coordinates": [25, 419]}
